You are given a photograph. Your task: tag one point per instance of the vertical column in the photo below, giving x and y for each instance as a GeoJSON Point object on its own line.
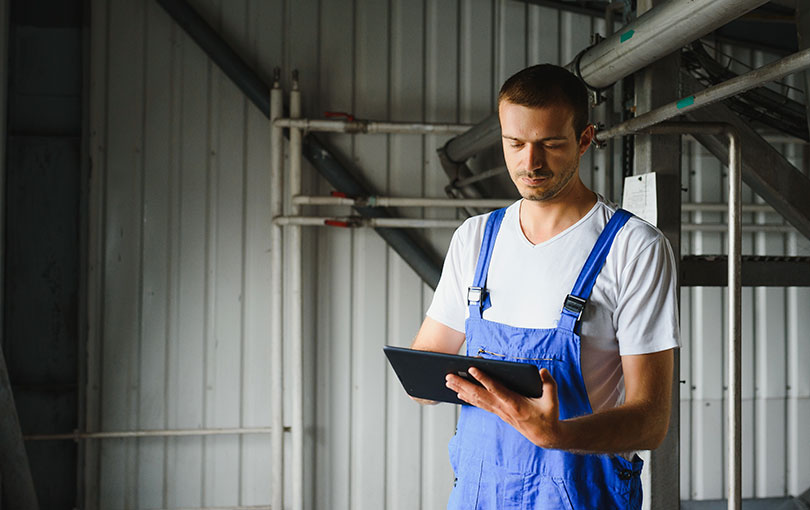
{"type": "Point", "coordinates": [296, 300]}
{"type": "Point", "coordinates": [656, 85]}
{"type": "Point", "coordinates": [276, 307]}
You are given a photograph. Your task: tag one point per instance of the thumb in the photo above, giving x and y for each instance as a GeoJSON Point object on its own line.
{"type": "Point", "coordinates": [549, 384]}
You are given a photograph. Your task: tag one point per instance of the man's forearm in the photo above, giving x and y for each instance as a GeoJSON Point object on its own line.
{"type": "Point", "coordinates": [625, 428]}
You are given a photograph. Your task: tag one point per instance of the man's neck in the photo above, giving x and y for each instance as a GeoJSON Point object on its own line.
{"type": "Point", "coordinates": [542, 220]}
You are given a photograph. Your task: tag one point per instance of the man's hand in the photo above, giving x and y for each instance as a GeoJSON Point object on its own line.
{"type": "Point", "coordinates": [424, 401]}
{"type": "Point", "coordinates": [538, 419]}
{"type": "Point", "coordinates": [640, 423]}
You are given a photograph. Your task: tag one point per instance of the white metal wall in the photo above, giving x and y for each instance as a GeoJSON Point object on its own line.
{"type": "Point", "coordinates": [179, 270]}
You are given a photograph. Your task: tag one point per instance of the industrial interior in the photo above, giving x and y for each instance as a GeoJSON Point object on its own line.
{"type": "Point", "coordinates": [217, 212]}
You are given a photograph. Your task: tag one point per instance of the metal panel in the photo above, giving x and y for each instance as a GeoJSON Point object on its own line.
{"type": "Point", "coordinates": [405, 307]}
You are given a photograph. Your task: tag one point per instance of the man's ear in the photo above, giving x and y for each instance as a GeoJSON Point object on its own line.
{"type": "Point", "coordinates": [585, 138]}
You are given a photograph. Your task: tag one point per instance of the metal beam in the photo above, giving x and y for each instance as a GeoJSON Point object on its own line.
{"type": "Point", "coordinates": [803, 33]}
{"type": "Point", "coordinates": [710, 271]}
{"type": "Point", "coordinates": [651, 36]}
{"type": "Point", "coordinates": [765, 170]}
{"type": "Point", "coordinates": [18, 485]}
{"type": "Point", "coordinates": [413, 250]}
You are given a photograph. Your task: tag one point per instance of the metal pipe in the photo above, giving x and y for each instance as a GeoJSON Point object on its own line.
{"type": "Point", "coordinates": [358, 221]}
{"type": "Point", "coordinates": [734, 446]}
{"type": "Point", "coordinates": [722, 227]}
{"type": "Point", "coordinates": [773, 71]}
{"type": "Point", "coordinates": [126, 434]}
{"type": "Point", "coordinates": [276, 294]}
{"type": "Point", "coordinates": [417, 254]}
{"type": "Point", "coordinates": [709, 207]}
{"type": "Point", "coordinates": [493, 172]}
{"type": "Point", "coordinates": [371, 127]}
{"type": "Point", "coordinates": [296, 301]}
{"type": "Point", "coordinates": [656, 33]}
{"type": "Point", "coordinates": [491, 203]}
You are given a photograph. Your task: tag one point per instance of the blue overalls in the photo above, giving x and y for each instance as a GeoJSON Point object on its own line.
{"type": "Point", "coordinates": [498, 468]}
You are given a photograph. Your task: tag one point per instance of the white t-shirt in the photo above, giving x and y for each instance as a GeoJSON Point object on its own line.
{"type": "Point", "coordinates": [633, 308]}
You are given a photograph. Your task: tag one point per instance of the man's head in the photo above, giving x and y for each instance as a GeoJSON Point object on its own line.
{"type": "Point", "coordinates": [544, 126]}
{"type": "Point", "coordinates": [545, 85]}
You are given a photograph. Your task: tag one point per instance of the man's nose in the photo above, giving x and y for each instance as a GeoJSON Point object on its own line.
{"type": "Point", "coordinates": [536, 156]}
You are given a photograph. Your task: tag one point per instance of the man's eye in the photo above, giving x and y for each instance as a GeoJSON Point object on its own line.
{"type": "Point", "coordinates": [516, 145]}
{"type": "Point", "coordinates": [556, 146]}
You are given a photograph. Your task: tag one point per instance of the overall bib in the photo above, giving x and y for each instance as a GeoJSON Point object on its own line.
{"type": "Point", "coordinates": [498, 468]}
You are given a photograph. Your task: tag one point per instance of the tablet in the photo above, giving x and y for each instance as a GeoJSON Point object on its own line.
{"type": "Point", "coordinates": [422, 373]}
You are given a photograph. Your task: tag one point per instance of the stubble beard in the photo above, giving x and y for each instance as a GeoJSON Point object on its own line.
{"type": "Point", "coordinates": [548, 194]}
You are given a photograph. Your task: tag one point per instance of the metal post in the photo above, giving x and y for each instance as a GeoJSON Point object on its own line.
{"type": "Point", "coordinates": [276, 280]}
{"type": "Point", "coordinates": [654, 85]}
{"type": "Point", "coordinates": [296, 301]}
{"type": "Point", "coordinates": [734, 446]}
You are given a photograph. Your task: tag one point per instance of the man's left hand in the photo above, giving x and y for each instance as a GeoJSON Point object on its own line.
{"type": "Point", "coordinates": [538, 419]}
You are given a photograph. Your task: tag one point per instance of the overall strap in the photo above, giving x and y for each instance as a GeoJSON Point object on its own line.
{"type": "Point", "coordinates": [575, 301]}
{"type": "Point", "coordinates": [477, 295]}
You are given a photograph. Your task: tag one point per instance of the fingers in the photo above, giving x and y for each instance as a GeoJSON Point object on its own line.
{"type": "Point", "coordinates": [424, 401]}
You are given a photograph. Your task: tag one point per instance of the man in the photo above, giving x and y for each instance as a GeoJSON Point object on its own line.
{"type": "Point", "coordinates": [516, 286]}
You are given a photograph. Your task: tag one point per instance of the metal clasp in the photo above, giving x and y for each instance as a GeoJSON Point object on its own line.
{"type": "Point", "coordinates": [574, 305]}
{"type": "Point", "coordinates": [475, 295]}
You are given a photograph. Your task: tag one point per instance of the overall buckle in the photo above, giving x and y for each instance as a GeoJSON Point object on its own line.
{"type": "Point", "coordinates": [575, 305]}
{"type": "Point", "coordinates": [475, 295]}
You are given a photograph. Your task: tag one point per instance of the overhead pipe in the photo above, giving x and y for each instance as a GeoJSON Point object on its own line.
{"type": "Point", "coordinates": [655, 34]}
{"type": "Point", "coordinates": [716, 93]}
{"type": "Point", "coordinates": [412, 250]}
{"type": "Point", "coordinates": [362, 126]}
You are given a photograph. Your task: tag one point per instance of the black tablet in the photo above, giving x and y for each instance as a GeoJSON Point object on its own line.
{"type": "Point", "coordinates": [422, 373]}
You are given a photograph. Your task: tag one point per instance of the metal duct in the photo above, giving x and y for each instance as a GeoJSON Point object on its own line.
{"type": "Point", "coordinates": [427, 266]}
{"type": "Point", "coordinates": [656, 33]}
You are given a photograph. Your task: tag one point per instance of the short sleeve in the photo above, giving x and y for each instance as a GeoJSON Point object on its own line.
{"type": "Point", "coordinates": [449, 300]}
{"type": "Point", "coordinates": [646, 315]}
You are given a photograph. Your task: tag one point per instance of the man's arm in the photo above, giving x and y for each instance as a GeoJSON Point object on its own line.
{"type": "Point", "coordinates": [639, 424]}
{"type": "Point", "coordinates": [435, 336]}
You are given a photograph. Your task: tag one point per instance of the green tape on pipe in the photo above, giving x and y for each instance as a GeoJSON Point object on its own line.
{"type": "Point", "coordinates": [687, 101]}
{"type": "Point", "coordinates": [627, 35]}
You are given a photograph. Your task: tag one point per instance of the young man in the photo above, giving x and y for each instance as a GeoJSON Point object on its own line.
{"type": "Point", "coordinates": [516, 286]}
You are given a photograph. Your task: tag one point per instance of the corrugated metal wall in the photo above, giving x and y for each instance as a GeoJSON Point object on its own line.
{"type": "Point", "coordinates": [179, 270]}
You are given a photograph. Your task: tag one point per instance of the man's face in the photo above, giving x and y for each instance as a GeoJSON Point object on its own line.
{"type": "Point", "coordinates": [541, 148]}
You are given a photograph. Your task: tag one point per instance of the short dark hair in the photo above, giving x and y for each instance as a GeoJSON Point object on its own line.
{"type": "Point", "coordinates": [544, 85]}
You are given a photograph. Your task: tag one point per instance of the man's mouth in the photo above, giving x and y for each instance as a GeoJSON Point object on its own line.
{"type": "Point", "coordinates": [534, 180]}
